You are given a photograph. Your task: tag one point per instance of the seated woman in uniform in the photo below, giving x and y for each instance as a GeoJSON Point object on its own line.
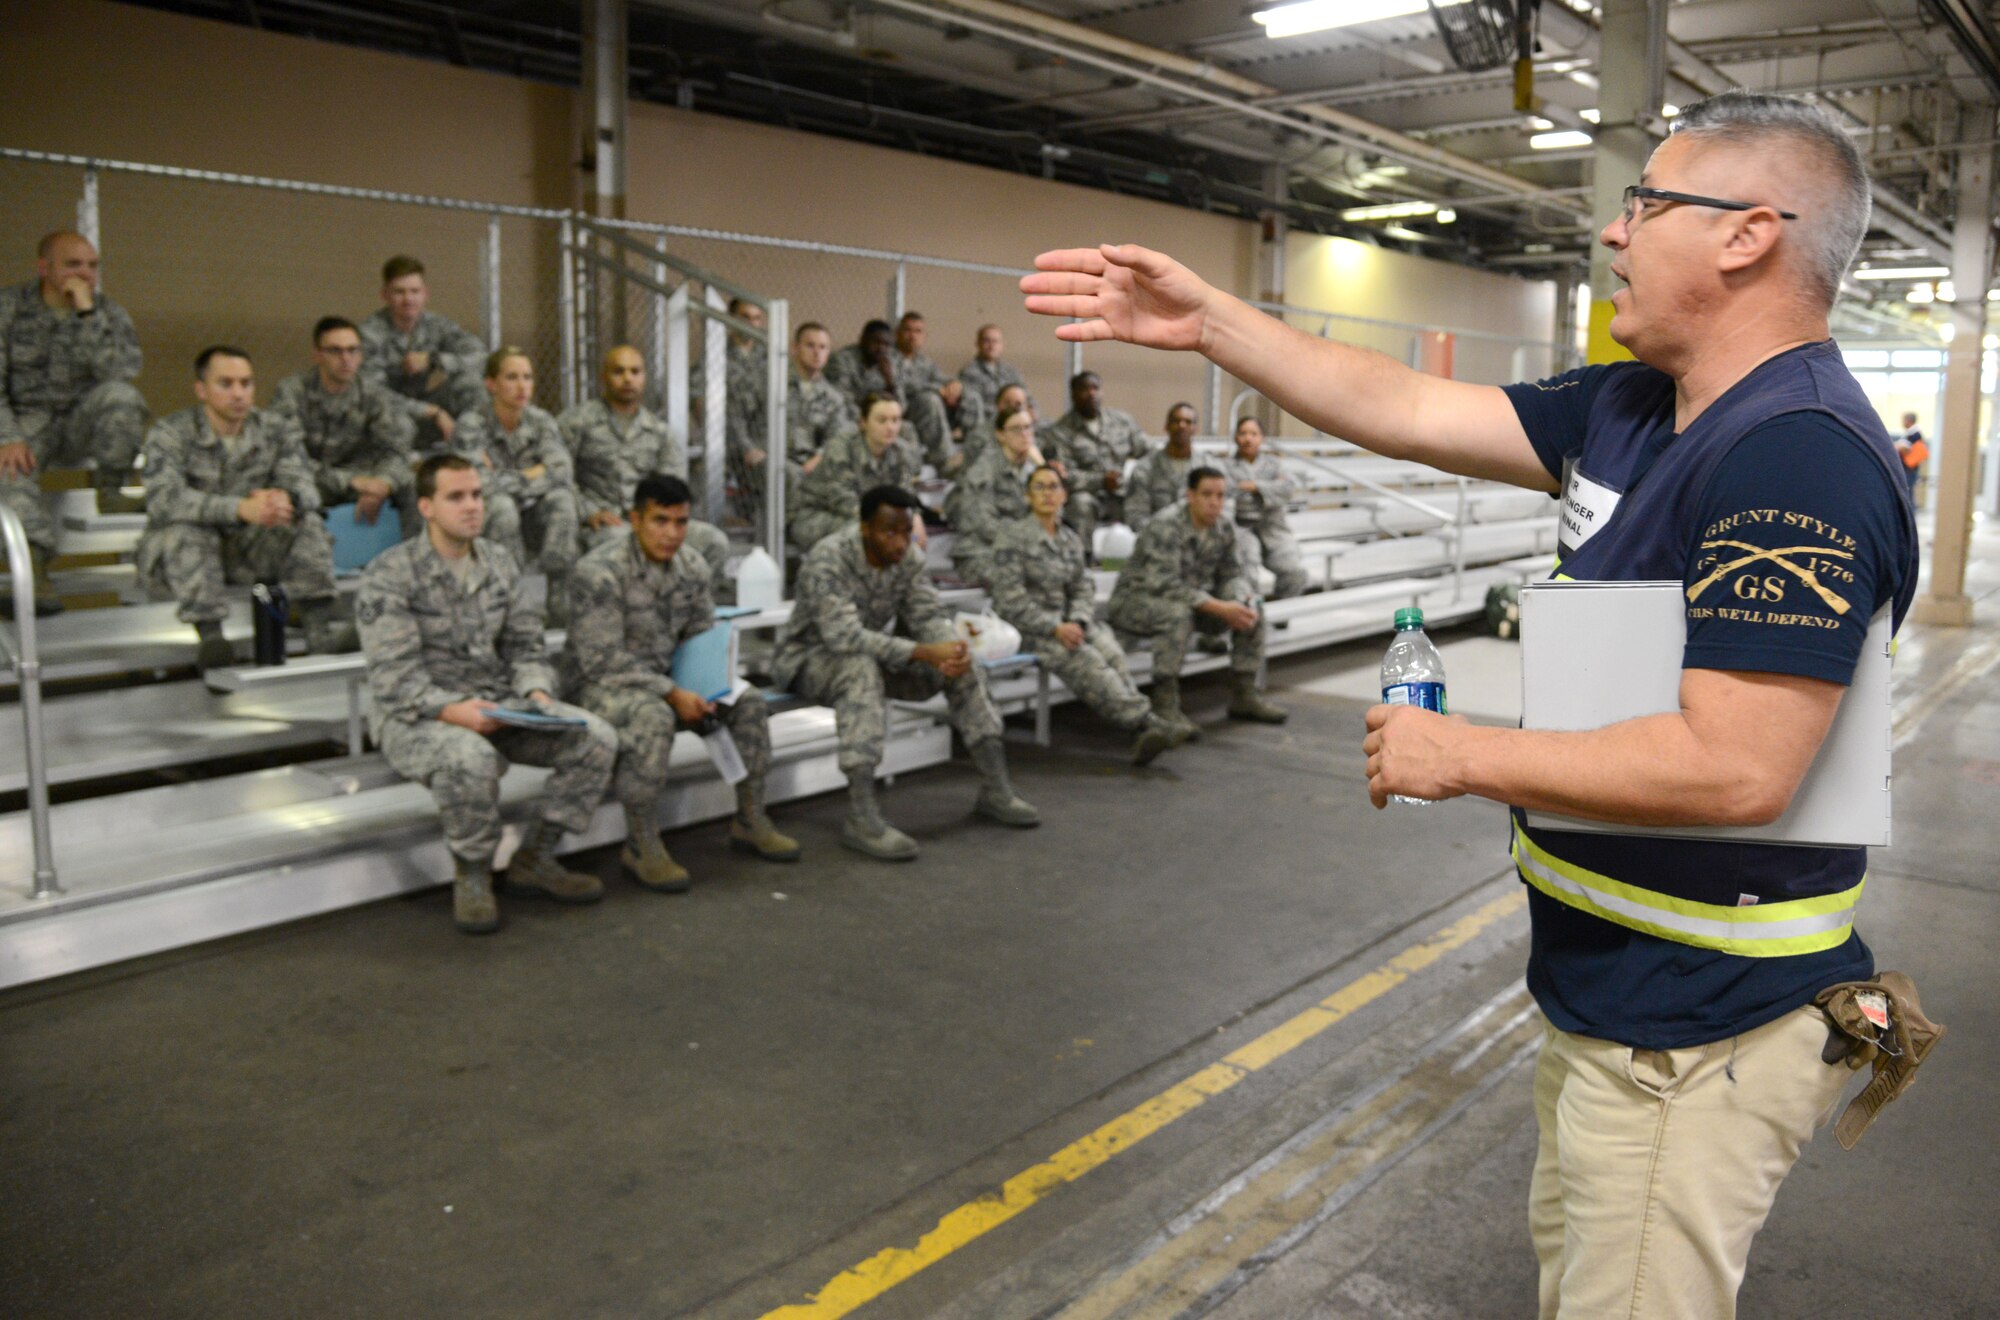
{"type": "Point", "coordinates": [1041, 584]}
{"type": "Point", "coordinates": [990, 493]}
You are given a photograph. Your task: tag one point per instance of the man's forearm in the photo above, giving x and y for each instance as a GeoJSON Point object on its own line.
{"type": "Point", "coordinates": [1648, 771]}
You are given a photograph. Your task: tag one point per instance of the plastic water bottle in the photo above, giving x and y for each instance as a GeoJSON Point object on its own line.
{"type": "Point", "coordinates": [1413, 675]}
{"type": "Point", "coordinates": [757, 581]}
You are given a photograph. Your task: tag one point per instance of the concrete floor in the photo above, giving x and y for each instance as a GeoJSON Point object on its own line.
{"type": "Point", "coordinates": [712, 1105]}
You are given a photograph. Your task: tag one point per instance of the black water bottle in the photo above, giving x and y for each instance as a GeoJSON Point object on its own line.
{"type": "Point", "coordinates": [268, 609]}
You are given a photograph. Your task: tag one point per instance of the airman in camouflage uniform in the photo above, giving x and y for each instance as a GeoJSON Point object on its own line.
{"type": "Point", "coordinates": [448, 382]}
{"type": "Point", "coordinates": [815, 412]}
{"type": "Point", "coordinates": [1159, 480]}
{"type": "Point", "coordinates": [1093, 443]}
{"type": "Point", "coordinates": [989, 494]}
{"type": "Point", "coordinates": [1260, 510]}
{"type": "Point", "coordinates": [231, 498]}
{"type": "Point", "coordinates": [867, 626]}
{"type": "Point", "coordinates": [449, 633]}
{"type": "Point", "coordinates": [1184, 576]}
{"type": "Point", "coordinates": [352, 431]}
{"type": "Point", "coordinates": [986, 375]}
{"type": "Point", "coordinates": [873, 366]}
{"type": "Point", "coordinates": [530, 482]}
{"type": "Point", "coordinates": [873, 454]}
{"type": "Point", "coordinates": [1041, 584]}
{"type": "Point", "coordinates": [68, 356]}
{"type": "Point", "coordinates": [632, 604]}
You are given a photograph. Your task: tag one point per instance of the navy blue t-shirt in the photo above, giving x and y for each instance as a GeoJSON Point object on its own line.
{"type": "Point", "coordinates": [1798, 540]}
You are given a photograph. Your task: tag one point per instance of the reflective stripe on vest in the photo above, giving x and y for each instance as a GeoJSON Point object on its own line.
{"type": "Point", "coordinates": [1763, 930]}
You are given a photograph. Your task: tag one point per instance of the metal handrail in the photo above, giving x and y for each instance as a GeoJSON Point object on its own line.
{"type": "Point", "coordinates": [654, 256]}
{"type": "Point", "coordinates": [28, 671]}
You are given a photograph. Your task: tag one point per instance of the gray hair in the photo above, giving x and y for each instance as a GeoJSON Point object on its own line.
{"type": "Point", "coordinates": [1832, 235]}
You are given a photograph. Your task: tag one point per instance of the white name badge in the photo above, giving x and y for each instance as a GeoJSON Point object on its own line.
{"type": "Point", "coordinates": [1586, 506]}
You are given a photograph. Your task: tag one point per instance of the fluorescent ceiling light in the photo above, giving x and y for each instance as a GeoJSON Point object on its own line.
{"type": "Point", "coordinates": [1669, 110]}
{"type": "Point", "coordinates": [1902, 273]}
{"type": "Point", "coordinates": [1539, 124]}
{"type": "Point", "coordinates": [1388, 211]}
{"type": "Point", "coordinates": [1446, 215]}
{"type": "Point", "coordinates": [1920, 295]}
{"type": "Point", "coordinates": [1591, 116]}
{"type": "Point", "coordinates": [1557, 141]}
{"type": "Point", "coordinates": [1302, 16]}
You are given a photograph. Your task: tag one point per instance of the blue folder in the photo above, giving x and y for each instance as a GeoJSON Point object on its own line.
{"type": "Point", "coordinates": [703, 664]}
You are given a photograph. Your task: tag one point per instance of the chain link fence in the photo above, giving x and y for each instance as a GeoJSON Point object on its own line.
{"type": "Point", "coordinates": [199, 257]}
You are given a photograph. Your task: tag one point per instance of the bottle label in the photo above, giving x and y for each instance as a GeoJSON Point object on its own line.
{"type": "Point", "coordinates": [1428, 695]}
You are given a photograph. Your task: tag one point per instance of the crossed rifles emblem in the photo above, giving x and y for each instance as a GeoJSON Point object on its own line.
{"type": "Point", "coordinates": [1759, 555]}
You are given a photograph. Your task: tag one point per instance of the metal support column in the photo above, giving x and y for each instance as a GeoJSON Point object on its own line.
{"type": "Point", "coordinates": [1945, 602]}
{"type": "Point", "coordinates": [1629, 75]}
{"type": "Point", "coordinates": [566, 312]}
{"type": "Point", "coordinates": [489, 253]}
{"type": "Point", "coordinates": [86, 210]}
{"type": "Point", "coordinates": [676, 377]}
{"type": "Point", "coordinates": [1212, 421]}
{"type": "Point", "coordinates": [606, 81]}
{"type": "Point", "coordinates": [715, 406]}
{"type": "Point", "coordinates": [656, 370]}
{"type": "Point", "coordinates": [777, 439]}
{"type": "Point", "coordinates": [899, 289]}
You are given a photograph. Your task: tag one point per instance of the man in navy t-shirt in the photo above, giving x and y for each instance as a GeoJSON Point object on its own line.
{"type": "Point", "coordinates": [1681, 1074]}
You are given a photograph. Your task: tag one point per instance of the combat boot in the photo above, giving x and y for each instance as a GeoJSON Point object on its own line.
{"type": "Point", "coordinates": [1247, 703]}
{"type": "Point", "coordinates": [535, 870]}
{"type": "Point", "coordinates": [1166, 698]}
{"type": "Point", "coordinates": [1155, 736]}
{"type": "Point", "coordinates": [752, 831]}
{"type": "Point", "coordinates": [472, 907]}
{"type": "Point", "coordinates": [997, 799]}
{"type": "Point", "coordinates": [326, 632]}
{"type": "Point", "coordinates": [111, 496]}
{"type": "Point", "coordinates": [215, 651]}
{"type": "Point", "coordinates": [646, 858]}
{"type": "Point", "coordinates": [865, 831]}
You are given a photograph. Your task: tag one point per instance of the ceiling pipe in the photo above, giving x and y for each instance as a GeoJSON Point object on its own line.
{"type": "Point", "coordinates": [1204, 82]}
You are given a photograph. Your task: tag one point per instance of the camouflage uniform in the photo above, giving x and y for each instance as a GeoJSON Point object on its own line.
{"type": "Point", "coordinates": [990, 493]}
{"type": "Point", "coordinates": [432, 641]}
{"type": "Point", "coordinates": [915, 387]}
{"type": "Point", "coordinates": [1267, 539]}
{"type": "Point", "coordinates": [815, 412]}
{"type": "Point", "coordinates": [66, 392]}
{"type": "Point", "coordinates": [1039, 581]}
{"type": "Point", "coordinates": [458, 361]}
{"type": "Point", "coordinates": [987, 379]}
{"type": "Point", "coordinates": [1174, 568]}
{"type": "Point", "coordinates": [520, 508]}
{"type": "Point", "coordinates": [1159, 481]}
{"type": "Point", "coordinates": [194, 543]}
{"type": "Point", "coordinates": [830, 497]}
{"type": "Point", "coordinates": [627, 617]}
{"type": "Point", "coordinates": [363, 431]}
{"type": "Point", "coordinates": [849, 641]}
{"type": "Point", "coordinates": [612, 453]}
{"type": "Point", "coordinates": [745, 419]}
{"type": "Point", "coordinates": [1089, 455]}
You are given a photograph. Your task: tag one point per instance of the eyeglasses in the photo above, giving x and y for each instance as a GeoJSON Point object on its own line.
{"type": "Point", "coordinates": [1636, 194]}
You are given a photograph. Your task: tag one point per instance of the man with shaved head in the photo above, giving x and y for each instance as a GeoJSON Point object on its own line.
{"type": "Point", "coordinates": [1685, 1062]}
{"type": "Point", "coordinates": [618, 442]}
{"type": "Point", "coordinates": [68, 356]}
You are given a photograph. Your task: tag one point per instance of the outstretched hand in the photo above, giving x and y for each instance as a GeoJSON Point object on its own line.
{"type": "Point", "coordinates": [1123, 292]}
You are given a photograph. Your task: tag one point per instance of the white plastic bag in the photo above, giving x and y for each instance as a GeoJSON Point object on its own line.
{"type": "Point", "coordinates": [1115, 542]}
{"type": "Point", "coordinates": [990, 637]}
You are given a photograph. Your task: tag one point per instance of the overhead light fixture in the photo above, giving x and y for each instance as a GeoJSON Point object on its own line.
{"type": "Point", "coordinates": [1387, 211]}
{"type": "Point", "coordinates": [1302, 16]}
{"type": "Point", "coordinates": [1539, 124]}
{"type": "Point", "coordinates": [1446, 215]}
{"type": "Point", "coordinates": [1557, 141]}
{"type": "Point", "coordinates": [1591, 116]}
{"type": "Point", "coordinates": [1902, 273]}
{"type": "Point", "coordinates": [1920, 294]}
{"type": "Point", "coordinates": [1669, 110]}
{"type": "Point", "coordinates": [1538, 249]}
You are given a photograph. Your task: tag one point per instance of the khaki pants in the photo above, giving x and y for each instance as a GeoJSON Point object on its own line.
{"type": "Point", "coordinates": [1657, 1167]}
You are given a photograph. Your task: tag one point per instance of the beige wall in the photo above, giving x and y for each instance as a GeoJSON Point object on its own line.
{"type": "Point", "coordinates": [1342, 275]}
{"type": "Point", "coordinates": [202, 262]}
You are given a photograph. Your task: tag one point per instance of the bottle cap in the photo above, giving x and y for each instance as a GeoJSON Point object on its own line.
{"type": "Point", "coordinates": [1409, 618]}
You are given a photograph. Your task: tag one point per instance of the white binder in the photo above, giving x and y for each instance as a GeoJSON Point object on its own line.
{"type": "Point", "coordinates": [1597, 653]}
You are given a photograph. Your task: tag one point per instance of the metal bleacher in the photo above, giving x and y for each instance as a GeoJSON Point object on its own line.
{"type": "Point", "coordinates": [166, 840]}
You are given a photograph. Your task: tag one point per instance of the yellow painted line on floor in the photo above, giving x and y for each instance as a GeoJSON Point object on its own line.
{"type": "Point", "coordinates": [892, 1265]}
